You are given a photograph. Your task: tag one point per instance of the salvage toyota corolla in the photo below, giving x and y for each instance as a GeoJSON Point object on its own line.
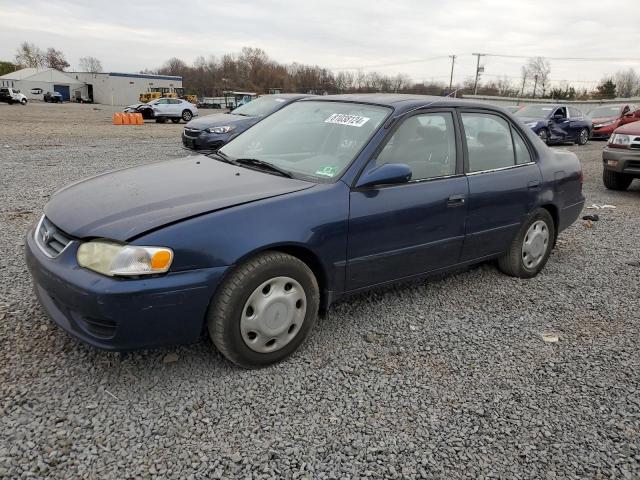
{"type": "Point", "coordinates": [323, 198]}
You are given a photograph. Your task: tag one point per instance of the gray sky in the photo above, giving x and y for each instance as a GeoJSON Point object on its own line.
{"type": "Point", "coordinates": [129, 36]}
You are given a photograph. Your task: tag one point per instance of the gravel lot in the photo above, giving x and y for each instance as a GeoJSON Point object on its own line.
{"type": "Point", "coordinates": [448, 378]}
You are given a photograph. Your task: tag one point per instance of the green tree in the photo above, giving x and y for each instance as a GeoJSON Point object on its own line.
{"type": "Point", "coordinates": [607, 89]}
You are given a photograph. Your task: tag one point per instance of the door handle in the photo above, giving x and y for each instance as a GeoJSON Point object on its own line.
{"type": "Point", "coordinates": [533, 184]}
{"type": "Point", "coordinates": [456, 200]}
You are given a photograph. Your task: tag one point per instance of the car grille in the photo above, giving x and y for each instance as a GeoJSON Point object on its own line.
{"type": "Point", "coordinates": [191, 132]}
{"type": "Point", "coordinates": [51, 240]}
{"type": "Point", "coordinates": [635, 143]}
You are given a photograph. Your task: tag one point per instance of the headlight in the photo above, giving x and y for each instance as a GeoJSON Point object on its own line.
{"type": "Point", "coordinates": [605, 124]}
{"type": "Point", "coordinates": [531, 124]}
{"type": "Point", "coordinates": [618, 140]}
{"type": "Point", "coordinates": [223, 129]}
{"type": "Point", "coordinates": [111, 258]}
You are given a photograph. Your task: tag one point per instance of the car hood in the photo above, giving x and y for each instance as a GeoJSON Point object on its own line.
{"type": "Point", "coordinates": [126, 203]}
{"type": "Point", "coordinates": [221, 119]}
{"type": "Point", "coordinates": [632, 128]}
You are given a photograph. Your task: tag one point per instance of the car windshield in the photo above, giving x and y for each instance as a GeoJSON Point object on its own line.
{"type": "Point", "coordinates": [535, 111]}
{"type": "Point", "coordinates": [612, 111]}
{"type": "Point", "coordinates": [311, 139]}
{"type": "Point", "coordinates": [260, 107]}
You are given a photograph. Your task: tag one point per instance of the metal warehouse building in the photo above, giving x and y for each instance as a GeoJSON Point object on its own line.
{"type": "Point", "coordinates": [108, 88]}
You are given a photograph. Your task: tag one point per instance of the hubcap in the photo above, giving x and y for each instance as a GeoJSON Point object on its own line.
{"type": "Point", "coordinates": [583, 136]}
{"type": "Point", "coordinates": [543, 135]}
{"type": "Point", "coordinates": [273, 314]}
{"type": "Point", "coordinates": [536, 242]}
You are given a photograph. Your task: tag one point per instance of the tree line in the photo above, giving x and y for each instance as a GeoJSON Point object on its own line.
{"type": "Point", "coordinates": [253, 70]}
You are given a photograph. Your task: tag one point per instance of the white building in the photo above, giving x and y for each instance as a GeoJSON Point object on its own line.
{"type": "Point", "coordinates": [106, 88]}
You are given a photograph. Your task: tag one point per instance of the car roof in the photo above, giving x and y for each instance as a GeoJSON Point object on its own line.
{"type": "Point", "coordinates": [287, 95]}
{"type": "Point", "coordinates": [403, 102]}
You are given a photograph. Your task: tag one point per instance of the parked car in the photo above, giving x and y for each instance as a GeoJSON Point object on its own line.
{"type": "Point", "coordinates": [607, 118]}
{"type": "Point", "coordinates": [326, 197]}
{"type": "Point", "coordinates": [146, 109]}
{"type": "Point", "coordinates": [12, 95]}
{"type": "Point", "coordinates": [556, 123]}
{"type": "Point", "coordinates": [52, 97]}
{"type": "Point", "coordinates": [621, 157]}
{"type": "Point", "coordinates": [213, 131]}
{"type": "Point", "coordinates": [174, 109]}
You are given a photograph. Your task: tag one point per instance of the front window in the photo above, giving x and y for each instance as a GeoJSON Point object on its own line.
{"type": "Point", "coordinates": [605, 112]}
{"type": "Point", "coordinates": [310, 139]}
{"type": "Point", "coordinates": [535, 111]}
{"type": "Point", "coordinates": [260, 107]}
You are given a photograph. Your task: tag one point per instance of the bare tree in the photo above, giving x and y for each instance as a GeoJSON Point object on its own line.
{"type": "Point", "coordinates": [55, 59]}
{"type": "Point", "coordinates": [526, 76]}
{"type": "Point", "coordinates": [627, 83]}
{"type": "Point", "coordinates": [173, 66]}
{"type": "Point", "coordinates": [30, 55]}
{"type": "Point", "coordinates": [90, 64]}
{"type": "Point", "coordinates": [539, 68]}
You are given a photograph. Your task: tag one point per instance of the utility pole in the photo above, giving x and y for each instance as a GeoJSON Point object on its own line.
{"type": "Point", "coordinates": [453, 62]}
{"type": "Point", "coordinates": [535, 77]}
{"type": "Point", "coordinates": [475, 86]}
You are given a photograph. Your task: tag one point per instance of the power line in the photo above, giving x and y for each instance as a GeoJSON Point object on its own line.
{"type": "Point", "coordinates": [578, 59]}
{"type": "Point", "coordinates": [422, 60]}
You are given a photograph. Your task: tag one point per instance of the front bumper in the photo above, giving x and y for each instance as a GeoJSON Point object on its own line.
{"type": "Point", "coordinates": [603, 132]}
{"type": "Point", "coordinates": [205, 141]}
{"type": "Point", "coordinates": [628, 160]}
{"type": "Point", "coordinates": [121, 314]}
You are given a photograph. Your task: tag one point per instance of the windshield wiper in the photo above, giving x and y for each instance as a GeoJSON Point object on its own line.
{"type": "Point", "coordinates": [254, 162]}
{"type": "Point", "coordinates": [221, 156]}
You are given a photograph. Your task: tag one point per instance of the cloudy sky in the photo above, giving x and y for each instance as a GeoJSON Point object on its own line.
{"type": "Point", "coordinates": [402, 36]}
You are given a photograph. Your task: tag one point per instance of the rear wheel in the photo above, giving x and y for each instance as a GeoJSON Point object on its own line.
{"type": "Point", "coordinates": [583, 137]}
{"type": "Point", "coordinates": [264, 310]}
{"type": "Point", "coordinates": [187, 115]}
{"type": "Point", "coordinates": [530, 249]}
{"type": "Point", "coordinates": [615, 180]}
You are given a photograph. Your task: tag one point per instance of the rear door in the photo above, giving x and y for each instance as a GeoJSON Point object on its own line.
{"type": "Point", "coordinates": [397, 231]}
{"type": "Point", "coordinates": [504, 182]}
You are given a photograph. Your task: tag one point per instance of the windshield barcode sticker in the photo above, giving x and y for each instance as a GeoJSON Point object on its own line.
{"type": "Point", "coordinates": [343, 119]}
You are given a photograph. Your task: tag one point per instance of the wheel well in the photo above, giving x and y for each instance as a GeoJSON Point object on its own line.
{"type": "Point", "coordinates": [312, 261]}
{"type": "Point", "coordinates": [553, 211]}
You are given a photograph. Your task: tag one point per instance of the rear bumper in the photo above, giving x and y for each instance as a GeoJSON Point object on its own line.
{"type": "Point", "coordinates": [121, 314]}
{"type": "Point", "coordinates": [624, 160]}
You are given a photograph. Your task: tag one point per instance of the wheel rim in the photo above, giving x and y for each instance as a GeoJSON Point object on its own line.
{"type": "Point", "coordinates": [535, 245]}
{"type": "Point", "coordinates": [543, 135]}
{"type": "Point", "coordinates": [583, 136]}
{"type": "Point", "coordinates": [186, 116]}
{"type": "Point", "coordinates": [273, 314]}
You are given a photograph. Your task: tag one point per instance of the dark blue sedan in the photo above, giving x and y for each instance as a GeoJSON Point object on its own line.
{"type": "Point", "coordinates": [212, 131]}
{"type": "Point", "coordinates": [326, 197]}
{"type": "Point", "coordinates": [555, 123]}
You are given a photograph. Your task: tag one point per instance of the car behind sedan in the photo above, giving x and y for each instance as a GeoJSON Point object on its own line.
{"type": "Point", "coordinates": [555, 123]}
{"type": "Point", "coordinates": [326, 197]}
{"type": "Point", "coordinates": [213, 131]}
{"type": "Point", "coordinates": [607, 118]}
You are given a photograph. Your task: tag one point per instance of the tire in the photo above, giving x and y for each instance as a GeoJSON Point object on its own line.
{"type": "Point", "coordinates": [175, 120]}
{"type": "Point", "coordinates": [187, 115]}
{"type": "Point", "coordinates": [615, 180]}
{"type": "Point", "coordinates": [540, 230]}
{"type": "Point", "coordinates": [231, 317]}
{"type": "Point", "coordinates": [583, 137]}
{"type": "Point", "coordinates": [543, 135]}
{"type": "Point", "coordinates": [23, 101]}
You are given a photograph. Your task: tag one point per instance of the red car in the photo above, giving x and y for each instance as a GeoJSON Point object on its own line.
{"type": "Point", "coordinates": [607, 118]}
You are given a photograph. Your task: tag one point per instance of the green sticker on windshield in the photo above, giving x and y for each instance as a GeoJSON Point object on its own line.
{"type": "Point", "coordinates": [328, 171]}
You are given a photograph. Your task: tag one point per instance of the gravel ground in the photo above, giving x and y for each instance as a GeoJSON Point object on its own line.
{"type": "Point", "coordinates": [448, 378]}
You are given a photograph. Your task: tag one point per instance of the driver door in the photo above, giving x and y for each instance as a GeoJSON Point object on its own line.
{"type": "Point", "coordinates": [406, 229]}
{"type": "Point", "coordinates": [559, 127]}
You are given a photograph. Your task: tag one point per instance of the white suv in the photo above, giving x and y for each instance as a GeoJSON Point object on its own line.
{"type": "Point", "coordinates": [11, 95]}
{"type": "Point", "coordinates": [174, 109]}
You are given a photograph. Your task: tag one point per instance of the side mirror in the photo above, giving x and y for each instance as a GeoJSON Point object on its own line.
{"type": "Point", "coordinates": [386, 174]}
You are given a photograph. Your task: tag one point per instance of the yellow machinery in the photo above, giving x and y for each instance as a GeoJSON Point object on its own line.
{"type": "Point", "coordinates": [164, 92]}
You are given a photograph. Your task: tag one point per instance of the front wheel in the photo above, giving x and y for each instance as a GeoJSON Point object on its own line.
{"type": "Point", "coordinates": [23, 101]}
{"type": "Point", "coordinates": [264, 310]}
{"type": "Point", "coordinates": [530, 249]}
{"type": "Point", "coordinates": [187, 115]}
{"type": "Point", "coordinates": [583, 137]}
{"type": "Point", "coordinates": [543, 135]}
{"type": "Point", "coordinates": [615, 180]}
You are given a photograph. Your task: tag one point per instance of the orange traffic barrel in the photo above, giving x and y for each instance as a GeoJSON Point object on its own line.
{"type": "Point", "coordinates": [139, 119]}
{"type": "Point", "coordinates": [117, 118]}
{"type": "Point", "coordinates": [126, 120]}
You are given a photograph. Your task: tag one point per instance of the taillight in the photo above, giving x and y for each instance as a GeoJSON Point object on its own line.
{"type": "Point", "coordinates": [581, 177]}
